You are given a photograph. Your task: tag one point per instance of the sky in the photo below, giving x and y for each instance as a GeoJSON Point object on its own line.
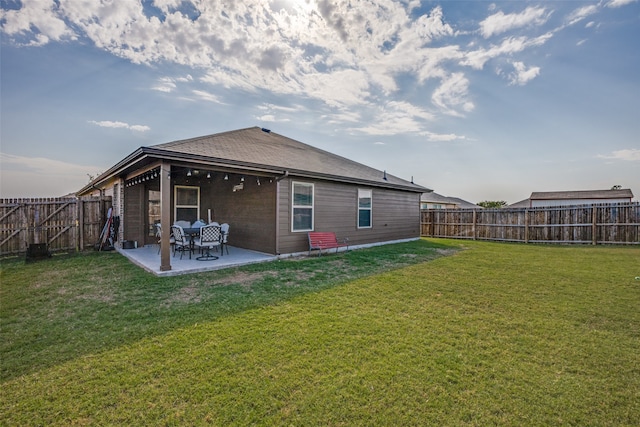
{"type": "Point", "coordinates": [473, 99]}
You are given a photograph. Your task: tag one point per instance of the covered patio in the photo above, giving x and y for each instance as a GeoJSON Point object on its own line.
{"type": "Point", "coordinates": [147, 257]}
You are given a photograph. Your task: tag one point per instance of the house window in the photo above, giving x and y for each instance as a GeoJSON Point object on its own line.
{"type": "Point", "coordinates": [364, 208]}
{"type": "Point", "coordinates": [302, 207]}
{"type": "Point", "coordinates": [153, 209]}
{"type": "Point", "coordinates": [187, 203]}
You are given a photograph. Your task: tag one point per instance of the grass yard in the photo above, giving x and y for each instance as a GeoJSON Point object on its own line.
{"type": "Point", "coordinates": [433, 332]}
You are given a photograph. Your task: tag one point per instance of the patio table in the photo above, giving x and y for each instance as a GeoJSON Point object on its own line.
{"type": "Point", "coordinates": [195, 232]}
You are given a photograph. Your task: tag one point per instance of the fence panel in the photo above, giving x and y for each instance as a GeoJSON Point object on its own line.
{"type": "Point", "coordinates": [612, 223]}
{"type": "Point", "coordinates": [64, 224]}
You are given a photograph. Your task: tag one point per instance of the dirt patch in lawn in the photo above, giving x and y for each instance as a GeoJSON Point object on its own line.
{"type": "Point", "coordinates": [243, 279]}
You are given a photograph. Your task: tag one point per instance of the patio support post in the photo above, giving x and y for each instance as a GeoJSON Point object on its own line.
{"type": "Point", "coordinates": [165, 216]}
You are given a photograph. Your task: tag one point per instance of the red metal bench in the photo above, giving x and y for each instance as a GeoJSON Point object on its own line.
{"type": "Point", "coordinates": [325, 240]}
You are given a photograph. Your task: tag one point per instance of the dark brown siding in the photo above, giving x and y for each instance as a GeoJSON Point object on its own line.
{"type": "Point", "coordinates": [250, 211]}
{"type": "Point", "coordinates": [133, 223]}
{"type": "Point", "coordinates": [396, 215]}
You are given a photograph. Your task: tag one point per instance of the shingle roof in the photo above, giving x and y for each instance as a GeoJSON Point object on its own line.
{"type": "Point", "coordinates": [587, 194]}
{"type": "Point", "coordinates": [259, 148]}
{"type": "Point", "coordinates": [521, 204]}
{"type": "Point", "coordinates": [464, 204]}
{"type": "Point", "coordinates": [434, 197]}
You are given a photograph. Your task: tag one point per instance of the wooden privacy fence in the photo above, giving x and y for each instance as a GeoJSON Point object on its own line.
{"type": "Point", "coordinates": [617, 223]}
{"type": "Point", "coordinates": [64, 224]}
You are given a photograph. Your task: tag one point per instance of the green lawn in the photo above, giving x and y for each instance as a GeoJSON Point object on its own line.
{"type": "Point", "coordinates": [420, 333]}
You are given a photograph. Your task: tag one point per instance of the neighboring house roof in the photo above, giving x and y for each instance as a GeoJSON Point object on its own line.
{"type": "Point", "coordinates": [439, 198]}
{"type": "Point", "coordinates": [265, 151]}
{"type": "Point", "coordinates": [587, 194]}
{"type": "Point", "coordinates": [434, 197]}
{"type": "Point", "coordinates": [574, 195]}
{"type": "Point", "coordinates": [463, 204]}
{"type": "Point", "coordinates": [521, 204]}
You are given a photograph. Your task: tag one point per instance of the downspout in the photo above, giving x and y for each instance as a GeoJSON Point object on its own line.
{"type": "Point", "coordinates": [101, 190]}
{"type": "Point", "coordinates": [278, 179]}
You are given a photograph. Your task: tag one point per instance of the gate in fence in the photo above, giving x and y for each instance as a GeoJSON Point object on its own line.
{"type": "Point", "coordinates": [614, 223]}
{"type": "Point", "coordinates": [63, 224]}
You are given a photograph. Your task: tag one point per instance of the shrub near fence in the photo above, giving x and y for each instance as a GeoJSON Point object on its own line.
{"type": "Point", "coordinates": [617, 223]}
{"type": "Point", "coordinates": [64, 224]}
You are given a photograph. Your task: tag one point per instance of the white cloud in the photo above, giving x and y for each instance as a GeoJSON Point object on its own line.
{"type": "Point", "coordinates": [330, 51]}
{"type": "Point", "coordinates": [271, 118]}
{"type": "Point", "coordinates": [206, 96]}
{"type": "Point", "coordinates": [442, 137]}
{"type": "Point", "coordinates": [280, 108]}
{"type": "Point", "coordinates": [120, 125]}
{"type": "Point", "coordinates": [581, 13]}
{"type": "Point", "coordinates": [36, 14]}
{"type": "Point", "coordinates": [620, 3]}
{"type": "Point", "coordinates": [499, 23]}
{"type": "Point", "coordinates": [344, 116]}
{"type": "Point", "coordinates": [165, 84]}
{"type": "Point", "coordinates": [348, 55]}
{"type": "Point", "coordinates": [477, 58]}
{"type": "Point", "coordinates": [394, 118]}
{"type": "Point", "coordinates": [629, 154]}
{"type": "Point", "coordinates": [139, 128]}
{"type": "Point", "coordinates": [522, 75]}
{"type": "Point", "coordinates": [406, 108]}
{"type": "Point", "coordinates": [452, 95]}
{"type": "Point", "coordinates": [109, 124]}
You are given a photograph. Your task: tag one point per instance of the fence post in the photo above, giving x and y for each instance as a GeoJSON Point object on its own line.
{"type": "Point", "coordinates": [526, 225]}
{"type": "Point", "coordinates": [475, 218]}
{"type": "Point", "coordinates": [80, 224]}
{"type": "Point", "coordinates": [594, 225]}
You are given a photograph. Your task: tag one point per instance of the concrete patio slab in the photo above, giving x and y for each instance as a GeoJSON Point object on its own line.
{"type": "Point", "coordinates": [148, 258]}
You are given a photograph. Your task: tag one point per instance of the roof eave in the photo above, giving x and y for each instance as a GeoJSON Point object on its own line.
{"type": "Point", "coordinates": [115, 170]}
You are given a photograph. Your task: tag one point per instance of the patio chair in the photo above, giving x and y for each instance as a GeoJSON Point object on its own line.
{"type": "Point", "coordinates": [181, 242]}
{"type": "Point", "coordinates": [199, 223]}
{"type": "Point", "coordinates": [183, 224]}
{"type": "Point", "coordinates": [172, 241]}
{"type": "Point", "coordinates": [224, 228]}
{"type": "Point", "coordinates": [210, 237]}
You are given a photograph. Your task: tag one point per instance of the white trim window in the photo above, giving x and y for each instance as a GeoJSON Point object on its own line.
{"type": "Point", "coordinates": [186, 203]}
{"type": "Point", "coordinates": [302, 206]}
{"type": "Point", "coordinates": [365, 208]}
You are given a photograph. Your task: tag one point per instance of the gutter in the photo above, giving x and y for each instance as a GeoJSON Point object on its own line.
{"type": "Point", "coordinates": [280, 178]}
